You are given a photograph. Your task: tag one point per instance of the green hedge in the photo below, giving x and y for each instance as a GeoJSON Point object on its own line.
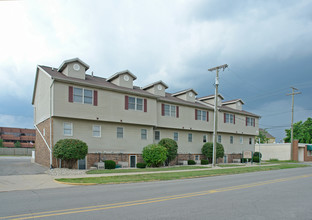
{"type": "Point", "coordinates": [204, 162]}
{"type": "Point", "coordinates": [191, 162]}
{"type": "Point", "coordinates": [110, 164]}
{"type": "Point", "coordinates": [141, 165]}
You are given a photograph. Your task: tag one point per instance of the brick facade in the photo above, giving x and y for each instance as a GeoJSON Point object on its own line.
{"type": "Point", "coordinates": [295, 150]}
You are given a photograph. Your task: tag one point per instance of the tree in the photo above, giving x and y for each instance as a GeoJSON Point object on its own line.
{"type": "Point", "coordinates": [302, 132]}
{"type": "Point", "coordinates": [70, 150]}
{"type": "Point", "coordinates": [172, 148]}
{"type": "Point", "coordinates": [17, 144]}
{"type": "Point", "coordinates": [207, 150]}
{"type": "Point", "coordinates": [1, 143]}
{"type": "Point", "coordinates": [154, 155]}
{"type": "Point", "coordinates": [262, 136]}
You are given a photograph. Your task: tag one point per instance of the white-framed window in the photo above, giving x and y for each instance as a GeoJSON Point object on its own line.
{"type": "Point", "coordinates": [201, 115]}
{"type": "Point", "coordinates": [157, 135]}
{"type": "Point", "coordinates": [250, 121]}
{"type": "Point", "coordinates": [219, 138]}
{"type": "Point", "coordinates": [68, 129]}
{"type": "Point", "coordinates": [135, 103]}
{"type": "Point", "coordinates": [175, 136]}
{"type": "Point", "coordinates": [170, 110]}
{"type": "Point", "coordinates": [231, 139]}
{"type": "Point", "coordinates": [81, 95]}
{"type": "Point", "coordinates": [96, 131]}
{"type": "Point", "coordinates": [119, 132]}
{"type": "Point", "coordinates": [43, 131]}
{"type": "Point", "coordinates": [190, 137]}
{"type": "Point", "coordinates": [205, 138]}
{"type": "Point", "coordinates": [196, 157]}
{"type": "Point", "coordinates": [241, 140]}
{"type": "Point", "coordinates": [250, 140]}
{"type": "Point", "coordinates": [143, 134]}
{"type": "Point", "coordinates": [229, 118]}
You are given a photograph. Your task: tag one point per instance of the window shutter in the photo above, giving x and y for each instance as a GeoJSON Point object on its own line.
{"type": "Point", "coordinates": [254, 122]}
{"type": "Point", "coordinates": [126, 102]}
{"type": "Point", "coordinates": [145, 105]}
{"type": "Point", "coordinates": [224, 118]}
{"type": "Point", "coordinates": [177, 111]}
{"type": "Point", "coordinates": [207, 116]}
{"type": "Point", "coordinates": [246, 121]}
{"type": "Point", "coordinates": [234, 119]}
{"type": "Point", "coordinates": [70, 94]}
{"type": "Point", "coordinates": [162, 109]}
{"type": "Point", "coordinates": [195, 114]}
{"type": "Point", "coordinates": [95, 97]}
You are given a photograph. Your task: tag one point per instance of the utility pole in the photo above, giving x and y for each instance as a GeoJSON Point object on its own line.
{"type": "Point", "coordinates": [292, 121]}
{"type": "Point", "coordinates": [215, 121]}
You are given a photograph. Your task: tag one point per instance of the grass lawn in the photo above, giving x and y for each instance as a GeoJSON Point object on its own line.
{"type": "Point", "coordinates": [175, 175]}
{"type": "Point", "coordinates": [146, 169]}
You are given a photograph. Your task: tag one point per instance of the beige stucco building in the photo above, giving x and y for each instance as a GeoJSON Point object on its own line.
{"type": "Point", "coordinates": [117, 119]}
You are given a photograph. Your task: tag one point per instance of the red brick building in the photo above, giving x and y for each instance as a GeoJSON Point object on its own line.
{"type": "Point", "coordinates": [12, 135]}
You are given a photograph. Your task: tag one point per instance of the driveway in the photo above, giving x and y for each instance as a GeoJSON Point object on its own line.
{"type": "Point", "coordinates": [19, 166]}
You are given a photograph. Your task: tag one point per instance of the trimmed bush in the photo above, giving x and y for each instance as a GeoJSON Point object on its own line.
{"type": "Point", "coordinates": [256, 154]}
{"type": "Point", "coordinates": [110, 164]}
{"type": "Point", "coordinates": [255, 159]}
{"type": "Point", "coordinates": [141, 165]}
{"type": "Point", "coordinates": [154, 155]}
{"type": "Point", "coordinates": [172, 148]}
{"type": "Point", "coordinates": [204, 162]}
{"type": "Point", "coordinates": [191, 162]}
{"type": "Point", "coordinates": [207, 150]}
{"type": "Point", "coordinates": [70, 150]}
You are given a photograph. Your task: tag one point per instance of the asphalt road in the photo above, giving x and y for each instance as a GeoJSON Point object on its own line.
{"type": "Point", "coordinates": [281, 194]}
{"type": "Point", "coordinates": [19, 166]}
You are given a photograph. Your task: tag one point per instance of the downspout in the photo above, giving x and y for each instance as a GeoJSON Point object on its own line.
{"type": "Point", "coordinates": [51, 102]}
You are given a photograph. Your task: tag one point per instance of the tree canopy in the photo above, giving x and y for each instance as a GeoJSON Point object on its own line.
{"type": "Point", "coordinates": [207, 150]}
{"type": "Point", "coordinates": [302, 132]}
{"type": "Point", "coordinates": [172, 148]}
{"type": "Point", "coordinates": [262, 136]}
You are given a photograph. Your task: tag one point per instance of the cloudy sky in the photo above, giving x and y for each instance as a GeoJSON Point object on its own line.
{"type": "Point", "coordinates": [267, 45]}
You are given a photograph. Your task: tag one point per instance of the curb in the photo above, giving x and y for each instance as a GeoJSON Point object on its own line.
{"type": "Point", "coordinates": [82, 184]}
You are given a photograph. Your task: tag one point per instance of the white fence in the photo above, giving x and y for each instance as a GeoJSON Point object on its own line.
{"type": "Point", "coordinates": [274, 151]}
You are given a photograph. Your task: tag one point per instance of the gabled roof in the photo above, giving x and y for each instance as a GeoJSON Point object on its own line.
{"type": "Point", "coordinates": [209, 97]}
{"type": "Point", "coordinates": [267, 134]}
{"type": "Point", "coordinates": [155, 83]}
{"type": "Point", "coordinates": [232, 101]}
{"type": "Point", "coordinates": [120, 73]}
{"type": "Point", "coordinates": [184, 91]}
{"type": "Point", "coordinates": [64, 64]}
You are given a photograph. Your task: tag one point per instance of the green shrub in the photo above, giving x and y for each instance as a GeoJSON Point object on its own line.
{"type": "Point", "coordinates": [204, 162]}
{"type": "Point", "coordinates": [1, 143]}
{"type": "Point", "coordinates": [256, 154]}
{"type": "Point", "coordinates": [255, 159]}
{"type": "Point", "coordinates": [172, 148]}
{"type": "Point", "coordinates": [17, 144]}
{"type": "Point", "coordinates": [141, 165]}
{"type": "Point", "coordinates": [70, 150]}
{"type": "Point", "coordinates": [154, 155]}
{"type": "Point", "coordinates": [207, 150]}
{"type": "Point", "coordinates": [191, 162]}
{"type": "Point", "coordinates": [110, 164]}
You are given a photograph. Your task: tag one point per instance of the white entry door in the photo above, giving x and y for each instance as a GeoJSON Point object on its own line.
{"type": "Point", "coordinates": [300, 154]}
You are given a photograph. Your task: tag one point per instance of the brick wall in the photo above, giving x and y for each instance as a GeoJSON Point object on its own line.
{"type": "Point", "coordinates": [306, 157]}
{"type": "Point", "coordinates": [42, 152]}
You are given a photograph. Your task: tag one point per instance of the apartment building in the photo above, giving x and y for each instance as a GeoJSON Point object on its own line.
{"type": "Point", "coordinates": [117, 119]}
{"type": "Point", "coordinates": [10, 136]}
